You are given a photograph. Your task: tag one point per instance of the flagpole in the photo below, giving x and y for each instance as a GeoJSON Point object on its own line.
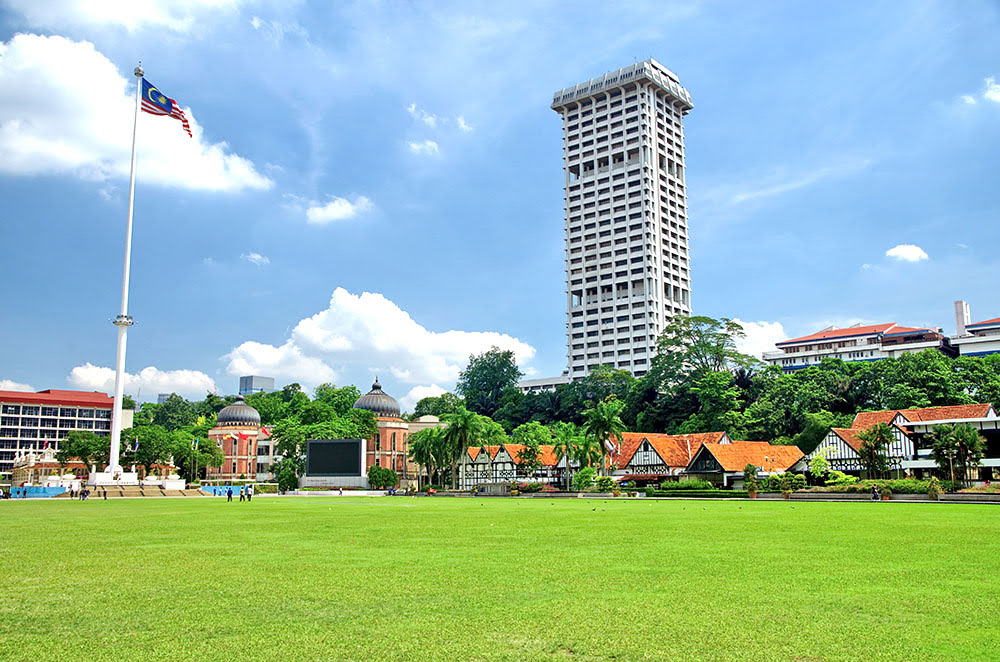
{"type": "Point", "coordinates": [123, 321]}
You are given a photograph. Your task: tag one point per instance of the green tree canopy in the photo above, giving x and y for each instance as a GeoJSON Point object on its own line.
{"type": "Point", "coordinates": [446, 403]}
{"type": "Point", "coordinates": [485, 378]}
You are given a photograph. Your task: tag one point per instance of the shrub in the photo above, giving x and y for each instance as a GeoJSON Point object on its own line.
{"type": "Point", "coordinates": [982, 489]}
{"type": "Point", "coordinates": [702, 494]}
{"type": "Point", "coordinates": [380, 477]}
{"type": "Point", "coordinates": [605, 484]}
{"type": "Point", "coordinates": [688, 484]}
{"type": "Point", "coordinates": [650, 491]}
{"type": "Point", "coordinates": [840, 478]}
{"type": "Point", "coordinates": [583, 478]}
{"type": "Point", "coordinates": [529, 487]}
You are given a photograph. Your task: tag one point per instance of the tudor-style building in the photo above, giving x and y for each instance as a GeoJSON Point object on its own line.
{"type": "Point", "coordinates": [909, 452]}
{"type": "Point", "coordinates": [723, 463]}
{"type": "Point", "coordinates": [481, 465]}
{"type": "Point", "coordinates": [648, 458]}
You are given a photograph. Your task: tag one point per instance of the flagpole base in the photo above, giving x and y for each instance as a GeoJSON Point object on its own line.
{"type": "Point", "coordinates": [108, 478]}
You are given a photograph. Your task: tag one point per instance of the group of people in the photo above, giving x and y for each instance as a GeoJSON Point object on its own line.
{"type": "Point", "coordinates": [246, 493]}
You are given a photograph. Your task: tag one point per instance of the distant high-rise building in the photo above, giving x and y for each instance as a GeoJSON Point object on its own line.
{"type": "Point", "coordinates": [254, 384]}
{"type": "Point", "coordinates": [162, 397]}
{"type": "Point", "coordinates": [627, 262]}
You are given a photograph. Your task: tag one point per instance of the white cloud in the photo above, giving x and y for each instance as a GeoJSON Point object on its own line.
{"type": "Point", "coordinates": [422, 115]}
{"type": "Point", "coordinates": [10, 385]}
{"type": "Point", "coordinates": [208, 262]}
{"type": "Point", "coordinates": [254, 358]}
{"type": "Point", "coordinates": [760, 337]}
{"type": "Point", "coordinates": [426, 147]}
{"type": "Point", "coordinates": [907, 253]}
{"type": "Point", "coordinates": [177, 15]}
{"type": "Point", "coordinates": [256, 258]}
{"type": "Point", "coordinates": [782, 182]}
{"type": "Point", "coordinates": [369, 332]}
{"type": "Point", "coordinates": [462, 125]}
{"type": "Point", "coordinates": [409, 401]}
{"type": "Point", "coordinates": [68, 110]}
{"type": "Point", "coordinates": [992, 91]}
{"type": "Point", "coordinates": [187, 383]}
{"type": "Point", "coordinates": [338, 209]}
{"type": "Point", "coordinates": [968, 99]}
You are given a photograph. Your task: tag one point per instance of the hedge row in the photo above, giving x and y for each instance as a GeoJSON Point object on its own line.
{"type": "Point", "coordinates": [702, 494]}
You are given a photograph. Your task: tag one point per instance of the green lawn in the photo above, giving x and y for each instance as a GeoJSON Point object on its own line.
{"type": "Point", "coordinates": [403, 578]}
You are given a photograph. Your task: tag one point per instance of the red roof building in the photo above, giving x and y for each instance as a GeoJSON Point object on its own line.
{"type": "Point", "coordinates": [33, 421]}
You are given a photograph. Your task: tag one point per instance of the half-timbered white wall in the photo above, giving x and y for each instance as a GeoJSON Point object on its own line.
{"type": "Point", "coordinates": [499, 469]}
{"type": "Point", "coordinates": [843, 457]}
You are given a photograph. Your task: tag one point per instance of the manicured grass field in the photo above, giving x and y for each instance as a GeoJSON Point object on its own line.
{"type": "Point", "coordinates": [519, 579]}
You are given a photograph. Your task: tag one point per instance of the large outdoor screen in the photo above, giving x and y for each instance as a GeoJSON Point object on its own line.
{"type": "Point", "coordinates": [333, 457]}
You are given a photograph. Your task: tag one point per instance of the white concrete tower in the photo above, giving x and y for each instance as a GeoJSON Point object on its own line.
{"type": "Point", "coordinates": [627, 263]}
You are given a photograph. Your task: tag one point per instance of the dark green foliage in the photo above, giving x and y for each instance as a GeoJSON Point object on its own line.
{"type": "Point", "coordinates": [381, 478]}
{"type": "Point", "coordinates": [446, 403]}
{"type": "Point", "coordinates": [686, 484]}
{"type": "Point", "coordinates": [703, 494]}
{"type": "Point", "coordinates": [485, 378]}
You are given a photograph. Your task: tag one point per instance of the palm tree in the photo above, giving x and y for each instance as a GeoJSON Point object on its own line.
{"type": "Point", "coordinates": [875, 442]}
{"type": "Point", "coordinates": [961, 445]}
{"type": "Point", "coordinates": [566, 443]}
{"type": "Point", "coordinates": [464, 430]}
{"type": "Point", "coordinates": [424, 449]}
{"type": "Point", "coordinates": [604, 423]}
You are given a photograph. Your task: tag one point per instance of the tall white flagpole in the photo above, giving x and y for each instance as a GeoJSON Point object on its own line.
{"type": "Point", "coordinates": [123, 321]}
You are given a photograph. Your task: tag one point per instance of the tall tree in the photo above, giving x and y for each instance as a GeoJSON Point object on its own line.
{"type": "Point", "coordinates": [957, 449]}
{"type": "Point", "coordinates": [531, 436]}
{"type": "Point", "coordinates": [874, 445]}
{"type": "Point", "coordinates": [340, 399]}
{"type": "Point", "coordinates": [603, 424]}
{"type": "Point", "coordinates": [146, 446]}
{"type": "Point", "coordinates": [485, 378]}
{"type": "Point", "coordinates": [175, 413]}
{"type": "Point", "coordinates": [86, 447]}
{"type": "Point", "coordinates": [427, 448]}
{"type": "Point", "coordinates": [567, 445]}
{"type": "Point", "coordinates": [440, 405]}
{"type": "Point", "coordinates": [464, 429]}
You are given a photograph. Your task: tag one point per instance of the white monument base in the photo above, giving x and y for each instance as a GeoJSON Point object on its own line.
{"type": "Point", "coordinates": [106, 478]}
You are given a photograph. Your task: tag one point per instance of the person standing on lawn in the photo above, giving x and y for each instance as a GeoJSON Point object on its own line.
{"type": "Point", "coordinates": [229, 494]}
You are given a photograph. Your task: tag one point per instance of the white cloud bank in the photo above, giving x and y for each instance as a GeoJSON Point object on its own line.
{"type": "Point", "coordinates": [409, 401]}
{"type": "Point", "coordinates": [67, 110]}
{"type": "Point", "coordinates": [760, 337]}
{"type": "Point", "coordinates": [191, 384]}
{"type": "Point", "coordinates": [369, 333]}
{"type": "Point", "coordinates": [906, 253]}
{"type": "Point", "coordinates": [422, 115]}
{"type": "Point", "coordinates": [338, 209]}
{"type": "Point", "coordinates": [10, 385]}
{"type": "Point", "coordinates": [176, 15]}
{"type": "Point", "coordinates": [425, 147]}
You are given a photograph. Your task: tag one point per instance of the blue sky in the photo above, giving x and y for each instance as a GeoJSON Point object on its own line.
{"type": "Point", "coordinates": [375, 188]}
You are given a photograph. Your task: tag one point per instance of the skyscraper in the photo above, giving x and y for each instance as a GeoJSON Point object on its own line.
{"type": "Point", "coordinates": [627, 263]}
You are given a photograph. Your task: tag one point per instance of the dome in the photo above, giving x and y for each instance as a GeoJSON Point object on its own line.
{"type": "Point", "coordinates": [378, 401]}
{"type": "Point", "coordinates": [238, 414]}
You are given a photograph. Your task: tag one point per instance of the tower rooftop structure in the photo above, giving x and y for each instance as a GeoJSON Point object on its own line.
{"type": "Point", "coordinates": [379, 402]}
{"type": "Point", "coordinates": [625, 201]}
{"type": "Point", "coordinates": [648, 70]}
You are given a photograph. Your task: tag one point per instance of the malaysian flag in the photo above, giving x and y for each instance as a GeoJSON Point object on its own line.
{"type": "Point", "coordinates": [155, 102]}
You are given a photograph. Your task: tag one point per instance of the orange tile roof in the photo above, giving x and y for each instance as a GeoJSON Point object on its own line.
{"type": "Point", "coordinates": [737, 455]}
{"type": "Point", "coordinates": [673, 448]}
{"type": "Point", "coordinates": [947, 412]}
{"type": "Point", "coordinates": [866, 419]}
{"type": "Point", "coordinates": [546, 454]}
{"type": "Point", "coordinates": [841, 333]}
{"type": "Point", "coordinates": [995, 320]}
{"type": "Point", "coordinates": [473, 452]}
{"type": "Point", "coordinates": [850, 436]}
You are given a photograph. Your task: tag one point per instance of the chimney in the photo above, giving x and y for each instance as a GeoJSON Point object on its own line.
{"type": "Point", "coordinates": [962, 318]}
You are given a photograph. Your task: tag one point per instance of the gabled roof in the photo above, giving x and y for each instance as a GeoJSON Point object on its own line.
{"type": "Point", "coordinates": [473, 452]}
{"type": "Point", "coordinates": [849, 332]}
{"type": "Point", "coordinates": [993, 322]}
{"type": "Point", "coordinates": [850, 436]}
{"type": "Point", "coordinates": [906, 330]}
{"type": "Point", "coordinates": [546, 454]}
{"type": "Point", "coordinates": [866, 419]}
{"type": "Point", "coordinates": [672, 448]}
{"type": "Point", "coordinates": [735, 456]}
